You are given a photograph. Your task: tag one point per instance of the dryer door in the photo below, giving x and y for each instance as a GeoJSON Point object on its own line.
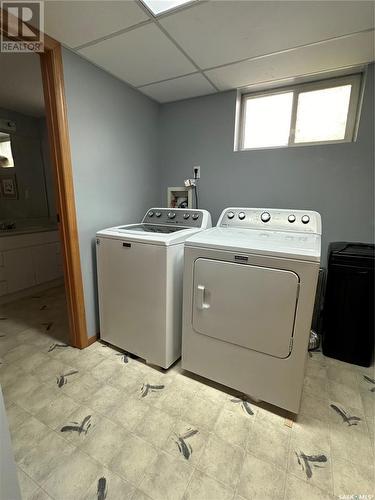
{"type": "Point", "coordinates": [247, 305]}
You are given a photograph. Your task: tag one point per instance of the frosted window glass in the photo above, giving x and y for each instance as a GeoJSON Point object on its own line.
{"type": "Point", "coordinates": [322, 114]}
{"type": "Point", "coordinates": [268, 121]}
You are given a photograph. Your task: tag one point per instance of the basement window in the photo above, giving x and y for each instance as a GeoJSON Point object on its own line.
{"type": "Point", "coordinates": [320, 112]}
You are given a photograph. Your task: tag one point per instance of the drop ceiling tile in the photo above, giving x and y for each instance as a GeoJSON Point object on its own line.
{"type": "Point", "coordinates": [179, 88]}
{"type": "Point", "coordinates": [339, 53]}
{"type": "Point", "coordinates": [220, 32]}
{"type": "Point", "coordinates": [140, 56]}
{"type": "Point", "coordinates": [75, 23]}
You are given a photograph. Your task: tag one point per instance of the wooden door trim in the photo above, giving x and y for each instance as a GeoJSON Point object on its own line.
{"type": "Point", "coordinates": [57, 123]}
{"type": "Point", "coordinates": [58, 131]}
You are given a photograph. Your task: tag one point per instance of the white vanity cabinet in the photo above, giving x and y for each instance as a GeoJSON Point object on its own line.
{"type": "Point", "coordinates": [47, 262]}
{"type": "Point", "coordinates": [27, 260]}
{"type": "Point", "coordinates": [18, 269]}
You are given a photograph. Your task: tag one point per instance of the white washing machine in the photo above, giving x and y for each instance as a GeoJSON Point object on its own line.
{"type": "Point", "coordinates": [140, 270]}
{"type": "Point", "coordinates": [249, 290]}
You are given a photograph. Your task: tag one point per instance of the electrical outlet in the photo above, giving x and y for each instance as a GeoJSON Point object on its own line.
{"type": "Point", "coordinates": [197, 172]}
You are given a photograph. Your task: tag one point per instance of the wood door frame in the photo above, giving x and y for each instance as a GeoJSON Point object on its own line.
{"type": "Point", "coordinates": [58, 132]}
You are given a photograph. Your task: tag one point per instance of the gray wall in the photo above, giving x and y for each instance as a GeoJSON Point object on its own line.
{"type": "Point", "coordinates": [126, 151]}
{"type": "Point", "coordinates": [113, 138]}
{"type": "Point", "coordinates": [336, 180]}
{"type": "Point", "coordinates": [33, 171]}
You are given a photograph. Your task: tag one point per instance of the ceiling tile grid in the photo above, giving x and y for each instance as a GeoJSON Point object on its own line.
{"type": "Point", "coordinates": [140, 56]}
{"type": "Point", "coordinates": [337, 53]}
{"type": "Point", "coordinates": [221, 32]}
{"type": "Point", "coordinates": [214, 45]}
{"type": "Point", "coordinates": [75, 22]}
{"type": "Point", "coordinates": [179, 88]}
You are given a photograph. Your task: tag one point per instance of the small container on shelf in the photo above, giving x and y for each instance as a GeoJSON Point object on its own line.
{"type": "Point", "coordinates": [180, 197]}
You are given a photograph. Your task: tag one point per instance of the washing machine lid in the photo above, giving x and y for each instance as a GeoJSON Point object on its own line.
{"type": "Point", "coordinates": [285, 244]}
{"type": "Point", "coordinates": [162, 226]}
{"type": "Point", "coordinates": [151, 234]}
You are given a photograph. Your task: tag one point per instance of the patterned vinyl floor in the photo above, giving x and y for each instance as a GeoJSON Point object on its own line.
{"type": "Point", "coordinates": [97, 424]}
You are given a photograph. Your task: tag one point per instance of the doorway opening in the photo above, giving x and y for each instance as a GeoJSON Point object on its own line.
{"type": "Point", "coordinates": [58, 193]}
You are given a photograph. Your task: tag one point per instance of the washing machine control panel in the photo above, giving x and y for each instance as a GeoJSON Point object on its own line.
{"type": "Point", "coordinates": [305, 221]}
{"type": "Point", "coordinates": [186, 217]}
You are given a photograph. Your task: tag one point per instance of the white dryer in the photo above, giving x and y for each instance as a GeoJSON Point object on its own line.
{"type": "Point", "coordinates": [249, 290]}
{"type": "Point", "coordinates": [140, 270]}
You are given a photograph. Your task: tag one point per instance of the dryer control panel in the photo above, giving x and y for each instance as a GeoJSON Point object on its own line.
{"type": "Point", "coordinates": [304, 221]}
{"type": "Point", "coordinates": [186, 217]}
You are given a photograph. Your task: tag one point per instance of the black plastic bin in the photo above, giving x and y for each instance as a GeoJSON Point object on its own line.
{"type": "Point", "coordinates": [348, 319]}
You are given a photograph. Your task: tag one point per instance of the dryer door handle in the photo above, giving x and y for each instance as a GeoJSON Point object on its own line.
{"type": "Point", "coordinates": [201, 304]}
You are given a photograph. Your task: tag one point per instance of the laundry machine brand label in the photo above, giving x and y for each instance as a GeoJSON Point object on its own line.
{"type": "Point", "coordinates": [241, 258]}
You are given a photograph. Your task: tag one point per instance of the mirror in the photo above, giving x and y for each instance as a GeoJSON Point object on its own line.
{"type": "Point", "coordinates": [26, 190]}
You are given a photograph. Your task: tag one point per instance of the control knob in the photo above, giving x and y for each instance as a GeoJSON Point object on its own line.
{"type": "Point", "coordinates": [265, 217]}
{"type": "Point", "coordinates": [151, 213]}
{"type": "Point", "coordinates": [230, 215]}
{"type": "Point", "coordinates": [158, 214]}
{"type": "Point", "coordinates": [292, 218]}
{"type": "Point", "coordinates": [171, 215]}
{"type": "Point", "coordinates": [241, 215]}
{"type": "Point", "coordinates": [186, 216]}
{"type": "Point", "coordinates": [195, 216]}
{"type": "Point", "coordinates": [305, 219]}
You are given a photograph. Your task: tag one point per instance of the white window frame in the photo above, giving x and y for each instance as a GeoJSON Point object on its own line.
{"type": "Point", "coordinates": [356, 80]}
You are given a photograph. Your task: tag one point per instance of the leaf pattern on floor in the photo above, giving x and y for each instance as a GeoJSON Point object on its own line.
{"type": "Point", "coordinates": [56, 346]}
{"type": "Point", "coordinates": [82, 428]}
{"type": "Point", "coordinates": [61, 380]}
{"type": "Point", "coordinates": [184, 447]}
{"type": "Point", "coordinates": [147, 388]}
{"type": "Point", "coordinates": [370, 381]}
{"type": "Point", "coordinates": [346, 418]}
{"type": "Point", "coordinates": [245, 405]}
{"type": "Point", "coordinates": [307, 462]}
{"type": "Point", "coordinates": [102, 490]}
{"type": "Point", "coordinates": [125, 358]}
{"type": "Point", "coordinates": [48, 325]}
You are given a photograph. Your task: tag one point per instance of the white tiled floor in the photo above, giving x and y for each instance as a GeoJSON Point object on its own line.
{"type": "Point", "coordinates": [96, 424]}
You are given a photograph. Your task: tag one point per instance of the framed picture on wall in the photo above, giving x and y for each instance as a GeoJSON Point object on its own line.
{"type": "Point", "coordinates": [8, 187]}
